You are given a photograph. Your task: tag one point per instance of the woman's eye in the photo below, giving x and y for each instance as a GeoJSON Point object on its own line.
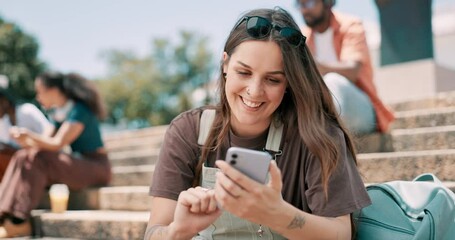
{"type": "Point", "coordinates": [274, 81]}
{"type": "Point", "coordinates": [243, 73]}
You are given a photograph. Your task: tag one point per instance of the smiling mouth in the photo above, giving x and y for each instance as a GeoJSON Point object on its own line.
{"type": "Point", "coordinates": [251, 104]}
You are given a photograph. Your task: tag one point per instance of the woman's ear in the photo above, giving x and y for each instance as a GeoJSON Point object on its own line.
{"type": "Point", "coordinates": [225, 62]}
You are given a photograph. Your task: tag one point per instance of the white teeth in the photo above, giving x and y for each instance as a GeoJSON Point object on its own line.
{"type": "Point", "coordinates": [251, 104]}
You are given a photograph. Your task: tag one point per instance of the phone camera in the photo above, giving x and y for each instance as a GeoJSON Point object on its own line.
{"type": "Point", "coordinates": [233, 157]}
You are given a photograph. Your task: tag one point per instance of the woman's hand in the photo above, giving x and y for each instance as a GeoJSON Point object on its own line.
{"type": "Point", "coordinates": [196, 209]}
{"type": "Point", "coordinates": [20, 135]}
{"type": "Point", "coordinates": [247, 198]}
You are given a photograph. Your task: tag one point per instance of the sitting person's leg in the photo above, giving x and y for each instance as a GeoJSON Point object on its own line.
{"type": "Point", "coordinates": [31, 171]}
{"type": "Point", "coordinates": [352, 103]}
{"type": "Point", "coordinates": [12, 188]}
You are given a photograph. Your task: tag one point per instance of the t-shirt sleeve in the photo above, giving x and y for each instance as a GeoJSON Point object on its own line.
{"type": "Point", "coordinates": [175, 169]}
{"type": "Point", "coordinates": [354, 45]}
{"type": "Point", "coordinates": [78, 114]}
{"type": "Point", "coordinates": [346, 190]}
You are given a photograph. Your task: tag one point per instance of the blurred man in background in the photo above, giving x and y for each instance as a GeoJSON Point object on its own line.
{"type": "Point", "coordinates": [338, 44]}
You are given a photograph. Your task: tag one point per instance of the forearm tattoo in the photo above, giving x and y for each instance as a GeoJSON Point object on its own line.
{"type": "Point", "coordinates": [297, 222]}
{"type": "Point", "coordinates": [156, 230]}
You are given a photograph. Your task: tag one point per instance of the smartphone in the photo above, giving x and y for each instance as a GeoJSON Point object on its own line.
{"type": "Point", "coordinates": [254, 164]}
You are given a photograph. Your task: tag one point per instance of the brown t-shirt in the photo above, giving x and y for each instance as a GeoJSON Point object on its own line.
{"type": "Point", "coordinates": [301, 171]}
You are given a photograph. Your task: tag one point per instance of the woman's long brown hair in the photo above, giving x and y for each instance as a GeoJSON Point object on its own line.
{"type": "Point", "coordinates": [75, 87]}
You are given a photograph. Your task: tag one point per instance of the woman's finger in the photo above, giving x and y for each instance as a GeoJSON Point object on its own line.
{"type": "Point", "coordinates": [203, 199]}
{"type": "Point", "coordinates": [275, 181]}
{"type": "Point", "coordinates": [213, 205]}
{"type": "Point", "coordinates": [228, 185]}
{"type": "Point", "coordinates": [187, 199]}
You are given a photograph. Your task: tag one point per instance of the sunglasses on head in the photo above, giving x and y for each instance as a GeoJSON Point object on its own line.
{"type": "Point", "coordinates": [259, 27]}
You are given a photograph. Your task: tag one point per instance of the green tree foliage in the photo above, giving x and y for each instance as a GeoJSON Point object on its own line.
{"type": "Point", "coordinates": [152, 90]}
{"type": "Point", "coordinates": [19, 59]}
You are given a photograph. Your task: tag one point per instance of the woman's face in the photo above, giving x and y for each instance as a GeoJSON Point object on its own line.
{"type": "Point", "coordinates": [46, 96]}
{"type": "Point", "coordinates": [255, 85]}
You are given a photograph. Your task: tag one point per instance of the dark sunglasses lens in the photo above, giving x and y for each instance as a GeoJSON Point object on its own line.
{"type": "Point", "coordinates": [258, 27]}
{"type": "Point", "coordinates": [293, 36]}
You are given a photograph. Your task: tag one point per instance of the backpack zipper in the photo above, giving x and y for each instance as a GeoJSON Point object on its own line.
{"type": "Point", "coordinates": [386, 226]}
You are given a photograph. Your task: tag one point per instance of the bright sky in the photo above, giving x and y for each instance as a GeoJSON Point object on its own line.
{"type": "Point", "coordinates": [72, 34]}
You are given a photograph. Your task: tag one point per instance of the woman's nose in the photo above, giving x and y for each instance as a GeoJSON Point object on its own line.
{"type": "Point", "coordinates": [255, 89]}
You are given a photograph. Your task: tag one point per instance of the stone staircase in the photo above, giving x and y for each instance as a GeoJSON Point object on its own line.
{"type": "Point", "coordinates": [420, 141]}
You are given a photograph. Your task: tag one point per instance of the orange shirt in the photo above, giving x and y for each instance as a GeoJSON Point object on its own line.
{"type": "Point", "coordinates": [350, 44]}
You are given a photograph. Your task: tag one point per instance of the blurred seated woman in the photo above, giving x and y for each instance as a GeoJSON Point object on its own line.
{"type": "Point", "coordinates": [75, 110]}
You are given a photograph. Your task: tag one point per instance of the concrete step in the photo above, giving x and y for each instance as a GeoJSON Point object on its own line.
{"type": "Point", "coordinates": [424, 118]}
{"type": "Point", "coordinates": [375, 142]}
{"type": "Point", "coordinates": [382, 167]}
{"type": "Point", "coordinates": [140, 175]}
{"type": "Point", "coordinates": [133, 144]}
{"type": "Point", "coordinates": [134, 157]}
{"type": "Point", "coordinates": [85, 199]}
{"type": "Point", "coordinates": [409, 139]}
{"type": "Point", "coordinates": [134, 134]}
{"type": "Point", "coordinates": [91, 224]}
{"type": "Point", "coordinates": [128, 198]}
{"type": "Point", "coordinates": [444, 99]}
{"type": "Point", "coordinates": [431, 138]}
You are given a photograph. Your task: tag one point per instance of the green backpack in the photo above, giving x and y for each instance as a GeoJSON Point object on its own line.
{"type": "Point", "coordinates": [422, 209]}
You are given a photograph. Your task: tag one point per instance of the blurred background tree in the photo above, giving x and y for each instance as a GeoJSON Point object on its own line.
{"type": "Point", "coordinates": [152, 90]}
{"type": "Point", "coordinates": [139, 90]}
{"type": "Point", "coordinates": [19, 59]}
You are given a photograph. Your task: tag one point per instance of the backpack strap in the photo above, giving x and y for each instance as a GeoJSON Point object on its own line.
{"type": "Point", "coordinates": [207, 118]}
{"type": "Point", "coordinates": [273, 138]}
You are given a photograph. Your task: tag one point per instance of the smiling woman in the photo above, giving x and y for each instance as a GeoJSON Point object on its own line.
{"type": "Point", "coordinates": [268, 80]}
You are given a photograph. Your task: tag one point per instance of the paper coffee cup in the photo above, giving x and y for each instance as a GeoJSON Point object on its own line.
{"type": "Point", "coordinates": [59, 194]}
